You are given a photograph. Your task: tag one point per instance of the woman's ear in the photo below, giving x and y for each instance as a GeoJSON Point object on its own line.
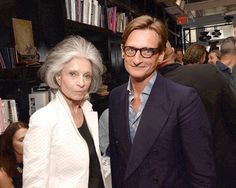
{"type": "Point", "coordinates": [58, 79]}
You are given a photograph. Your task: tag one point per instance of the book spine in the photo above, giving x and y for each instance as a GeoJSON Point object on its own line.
{"type": "Point", "coordinates": [1, 118]}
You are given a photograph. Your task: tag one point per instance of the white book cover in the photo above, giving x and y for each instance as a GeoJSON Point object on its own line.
{"type": "Point", "coordinates": [67, 9]}
{"type": "Point", "coordinates": [73, 10]}
{"type": "Point", "coordinates": [6, 114]}
{"type": "Point", "coordinates": [96, 16]}
{"type": "Point", "coordinates": [14, 116]}
{"type": "Point", "coordinates": [85, 11]}
{"type": "Point", "coordinates": [37, 100]}
{"type": "Point", "coordinates": [9, 112]}
{"type": "Point", "coordinates": [90, 5]}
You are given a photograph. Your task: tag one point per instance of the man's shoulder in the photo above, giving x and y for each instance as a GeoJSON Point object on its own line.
{"type": "Point", "coordinates": [176, 87]}
{"type": "Point", "coordinates": [119, 89]}
{"type": "Point", "coordinates": [221, 66]}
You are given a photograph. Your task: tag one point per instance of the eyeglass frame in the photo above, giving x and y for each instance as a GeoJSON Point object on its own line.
{"type": "Point", "coordinates": [153, 50]}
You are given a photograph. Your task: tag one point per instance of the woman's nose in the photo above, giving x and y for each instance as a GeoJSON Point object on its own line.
{"type": "Point", "coordinates": [80, 81]}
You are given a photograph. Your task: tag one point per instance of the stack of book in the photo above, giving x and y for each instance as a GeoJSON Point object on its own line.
{"type": "Point", "coordinates": [8, 113]}
{"type": "Point", "coordinates": [85, 11]}
{"type": "Point", "coordinates": [8, 58]}
{"type": "Point", "coordinates": [39, 97]}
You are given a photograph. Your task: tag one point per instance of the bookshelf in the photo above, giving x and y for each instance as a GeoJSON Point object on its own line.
{"type": "Point", "coordinates": [51, 23]}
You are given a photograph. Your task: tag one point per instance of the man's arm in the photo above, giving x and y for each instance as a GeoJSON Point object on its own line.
{"type": "Point", "coordinates": [196, 138]}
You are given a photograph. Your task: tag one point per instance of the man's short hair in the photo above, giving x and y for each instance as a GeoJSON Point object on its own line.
{"type": "Point", "coordinates": [228, 46]}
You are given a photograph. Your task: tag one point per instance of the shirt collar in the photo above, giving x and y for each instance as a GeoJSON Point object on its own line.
{"type": "Point", "coordinates": [148, 87]}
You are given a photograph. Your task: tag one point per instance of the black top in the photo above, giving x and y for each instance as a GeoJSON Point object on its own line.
{"type": "Point", "coordinates": [17, 179]}
{"type": "Point", "coordinates": [95, 176]}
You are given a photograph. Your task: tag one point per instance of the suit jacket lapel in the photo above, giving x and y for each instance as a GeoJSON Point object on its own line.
{"type": "Point", "coordinates": [122, 130]}
{"type": "Point", "coordinates": [153, 118]}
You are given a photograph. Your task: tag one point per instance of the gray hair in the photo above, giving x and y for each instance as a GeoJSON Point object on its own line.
{"type": "Point", "coordinates": [69, 48]}
{"type": "Point", "coordinates": [228, 46]}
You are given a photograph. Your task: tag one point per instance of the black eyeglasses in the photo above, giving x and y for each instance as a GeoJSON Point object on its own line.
{"type": "Point", "coordinates": [145, 52]}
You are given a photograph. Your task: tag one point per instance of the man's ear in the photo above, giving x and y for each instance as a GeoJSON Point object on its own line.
{"type": "Point", "coordinates": [161, 57]}
{"type": "Point", "coordinates": [122, 52]}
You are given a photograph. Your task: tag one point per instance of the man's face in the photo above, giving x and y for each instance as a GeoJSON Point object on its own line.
{"type": "Point", "coordinates": [179, 56]}
{"type": "Point", "coordinates": [139, 67]}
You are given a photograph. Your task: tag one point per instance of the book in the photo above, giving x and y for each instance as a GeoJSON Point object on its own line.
{"type": "Point", "coordinates": [24, 40]}
{"type": "Point", "coordinates": [6, 57]}
{"type": "Point", "coordinates": [1, 118]}
{"type": "Point", "coordinates": [9, 112]}
{"type": "Point", "coordinates": [2, 63]}
{"type": "Point", "coordinates": [85, 11]}
{"type": "Point", "coordinates": [38, 100]}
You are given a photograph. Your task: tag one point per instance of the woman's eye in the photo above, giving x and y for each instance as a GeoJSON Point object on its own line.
{"type": "Point", "coordinates": [87, 77]}
{"type": "Point", "coordinates": [21, 139]}
{"type": "Point", "coordinates": [72, 73]}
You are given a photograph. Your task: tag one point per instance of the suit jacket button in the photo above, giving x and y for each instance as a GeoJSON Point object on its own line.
{"type": "Point", "coordinates": [155, 179]}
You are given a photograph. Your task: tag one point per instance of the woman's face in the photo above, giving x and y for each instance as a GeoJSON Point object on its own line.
{"type": "Point", "coordinates": [17, 141]}
{"type": "Point", "coordinates": [212, 58]}
{"type": "Point", "coordinates": [75, 79]}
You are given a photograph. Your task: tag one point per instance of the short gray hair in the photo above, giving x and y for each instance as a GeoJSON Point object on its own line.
{"type": "Point", "coordinates": [228, 46]}
{"type": "Point", "coordinates": [69, 48]}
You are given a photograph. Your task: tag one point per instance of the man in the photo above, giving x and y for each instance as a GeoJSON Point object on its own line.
{"type": "Point", "coordinates": [220, 104]}
{"type": "Point", "coordinates": [179, 56]}
{"type": "Point", "coordinates": [159, 131]}
{"type": "Point", "coordinates": [227, 64]}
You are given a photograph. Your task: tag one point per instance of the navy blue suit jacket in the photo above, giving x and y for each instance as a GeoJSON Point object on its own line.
{"type": "Point", "coordinates": [172, 145]}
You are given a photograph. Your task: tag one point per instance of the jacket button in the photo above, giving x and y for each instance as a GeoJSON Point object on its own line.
{"type": "Point", "coordinates": [155, 179]}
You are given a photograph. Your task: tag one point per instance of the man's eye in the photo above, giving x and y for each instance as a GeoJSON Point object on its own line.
{"type": "Point", "coordinates": [147, 50]}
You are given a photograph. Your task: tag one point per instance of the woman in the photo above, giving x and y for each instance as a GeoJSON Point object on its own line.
{"type": "Point", "coordinates": [213, 56]}
{"type": "Point", "coordinates": [195, 53]}
{"type": "Point", "coordinates": [12, 155]}
{"type": "Point", "coordinates": [61, 147]}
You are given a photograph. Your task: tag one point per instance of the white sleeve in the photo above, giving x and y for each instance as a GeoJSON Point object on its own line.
{"type": "Point", "coordinates": [103, 131]}
{"type": "Point", "coordinates": [36, 152]}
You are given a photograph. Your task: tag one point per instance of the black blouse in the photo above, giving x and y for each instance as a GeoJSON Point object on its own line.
{"type": "Point", "coordinates": [17, 179]}
{"type": "Point", "coordinates": [95, 175]}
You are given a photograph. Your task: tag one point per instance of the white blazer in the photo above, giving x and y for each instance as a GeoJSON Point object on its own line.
{"type": "Point", "coordinates": [55, 154]}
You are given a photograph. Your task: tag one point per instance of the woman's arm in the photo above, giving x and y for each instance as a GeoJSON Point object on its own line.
{"type": "Point", "coordinates": [37, 144]}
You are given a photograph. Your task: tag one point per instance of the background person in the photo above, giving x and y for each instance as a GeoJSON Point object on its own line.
{"type": "Point", "coordinates": [227, 64]}
{"type": "Point", "coordinates": [104, 132]}
{"type": "Point", "coordinates": [62, 144]}
{"type": "Point", "coordinates": [159, 131]}
{"type": "Point", "coordinates": [179, 55]}
{"type": "Point", "coordinates": [213, 56]}
{"type": "Point", "coordinates": [11, 156]}
{"type": "Point", "coordinates": [220, 104]}
{"type": "Point", "coordinates": [195, 53]}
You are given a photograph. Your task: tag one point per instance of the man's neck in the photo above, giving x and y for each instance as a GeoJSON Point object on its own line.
{"type": "Point", "coordinates": [229, 61]}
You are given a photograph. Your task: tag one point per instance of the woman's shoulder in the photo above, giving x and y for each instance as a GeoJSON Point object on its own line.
{"type": "Point", "coordinates": [49, 111]}
{"type": "Point", "coordinates": [5, 180]}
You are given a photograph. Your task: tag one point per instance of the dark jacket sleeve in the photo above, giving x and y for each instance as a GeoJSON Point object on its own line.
{"type": "Point", "coordinates": [195, 131]}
